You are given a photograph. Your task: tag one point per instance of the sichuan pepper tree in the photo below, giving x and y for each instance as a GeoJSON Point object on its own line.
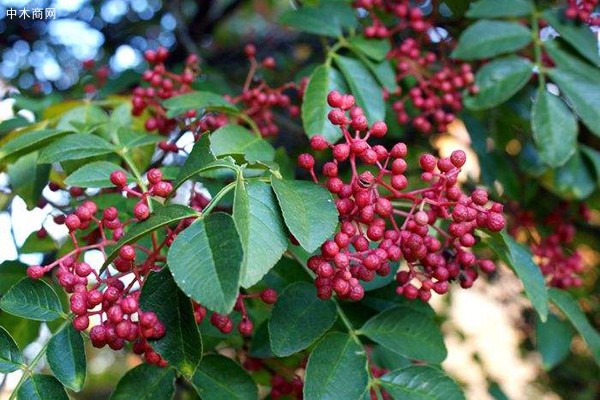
{"type": "Point", "coordinates": [313, 266]}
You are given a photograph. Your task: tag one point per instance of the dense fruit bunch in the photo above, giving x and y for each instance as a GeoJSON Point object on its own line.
{"type": "Point", "coordinates": [560, 264]}
{"type": "Point", "coordinates": [258, 99]}
{"type": "Point", "coordinates": [382, 221]}
{"type": "Point", "coordinates": [433, 84]}
{"type": "Point", "coordinates": [103, 299]}
{"type": "Point", "coordinates": [164, 84]}
{"type": "Point", "coordinates": [583, 10]}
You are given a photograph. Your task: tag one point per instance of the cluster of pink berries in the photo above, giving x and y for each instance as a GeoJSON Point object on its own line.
{"type": "Point", "coordinates": [431, 228]}
{"type": "Point", "coordinates": [224, 322]}
{"type": "Point", "coordinates": [437, 92]}
{"type": "Point", "coordinates": [584, 11]}
{"type": "Point", "coordinates": [560, 264]}
{"type": "Point", "coordinates": [164, 84]}
{"type": "Point", "coordinates": [258, 99]}
{"type": "Point", "coordinates": [106, 297]}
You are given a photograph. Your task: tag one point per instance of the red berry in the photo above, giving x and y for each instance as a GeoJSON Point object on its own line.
{"type": "Point", "coordinates": [269, 296]}
{"type": "Point", "coordinates": [118, 178]}
{"type": "Point", "coordinates": [306, 161]}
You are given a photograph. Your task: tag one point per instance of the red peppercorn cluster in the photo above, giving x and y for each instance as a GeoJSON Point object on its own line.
{"type": "Point", "coordinates": [224, 322]}
{"type": "Point", "coordinates": [383, 221]}
{"type": "Point", "coordinates": [558, 261]}
{"type": "Point", "coordinates": [437, 92]}
{"type": "Point", "coordinates": [258, 99]}
{"type": "Point", "coordinates": [106, 297]}
{"type": "Point", "coordinates": [584, 11]}
{"type": "Point", "coordinates": [164, 84]}
{"type": "Point", "coordinates": [100, 76]}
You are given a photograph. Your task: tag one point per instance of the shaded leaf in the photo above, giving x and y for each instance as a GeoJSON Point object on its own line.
{"type": "Point", "coordinates": [206, 259]}
{"type": "Point", "coordinates": [553, 339]}
{"type": "Point", "coordinates": [299, 318]}
{"type": "Point", "coordinates": [485, 39]}
{"type": "Point", "coordinates": [10, 355]}
{"type": "Point", "coordinates": [197, 100]}
{"type": "Point", "coordinates": [220, 378]}
{"type": "Point", "coordinates": [66, 357]}
{"type": "Point", "coordinates": [75, 147]}
{"type": "Point", "coordinates": [420, 382]}
{"type": "Point", "coordinates": [30, 141]}
{"type": "Point", "coordinates": [496, 9]}
{"type": "Point", "coordinates": [235, 139]}
{"type": "Point", "coordinates": [146, 382]}
{"type": "Point", "coordinates": [42, 387]}
{"type": "Point", "coordinates": [33, 299]}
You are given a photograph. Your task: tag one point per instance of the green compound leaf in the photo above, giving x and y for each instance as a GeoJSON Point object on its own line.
{"type": "Point", "coordinates": [554, 129]}
{"type": "Point", "coordinates": [197, 101]}
{"type": "Point", "coordinates": [485, 39]}
{"type": "Point", "coordinates": [578, 35]}
{"type": "Point", "coordinates": [498, 81]}
{"type": "Point", "coordinates": [42, 387]}
{"type": "Point", "coordinates": [336, 369]}
{"type": "Point", "coordinates": [206, 262]}
{"type": "Point", "coordinates": [30, 141]}
{"type": "Point", "coordinates": [299, 318]}
{"type": "Point", "coordinates": [519, 259]}
{"type": "Point", "coordinates": [324, 79]}
{"type": "Point", "coordinates": [499, 9]}
{"type": "Point", "coordinates": [553, 339]}
{"type": "Point", "coordinates": [364, 87]}
{"type": "Point", "coordinates": [94, 175]}
{"type": "Point", "coordinates": [237, 140]}
{"type": "Point", "coordinates": [146, 382]}
{"type": "Point", "coordinates": [260, 226]}
{"type": "Point", "coordinates": [308, 211]}
{"type": "Point", "coordinates": [66, 357]}
{"type": "Point", "coordinates": [181, 345]}
{"type": "Point", "coordinates": [421, 382]}
{"type": "Point", "coordinates": [565, 302]}
{"type": "Point", "coordinates": [10, 355]}
{"type": "Point", "coordinates": [407, 332]}
{"type": "Point", "coordinates": [75, 147]}
{"type": "Point", "coordinates": [32, 299]}
{"type": "Point", "coordinates": [220, 378]}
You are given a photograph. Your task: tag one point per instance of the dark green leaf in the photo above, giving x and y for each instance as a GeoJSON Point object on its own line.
{"type": "Point", "coordinates": [34, 244]}
{"type": "Point", "coordinates": [86, 116]}
{"type": "Point", "coordinates": [146, 382]}
{"type": "Point", "coordinates": [407, 332]}
{"type": "Point", "coordinates": [315, 108]}
{"type": "Point", "coordinates": [75, 147]}
{"type": "Point", "coordinates": [11, 273]}
{"type": "Point", "coordinates": [327, 19]}
{"type": "Point", "coordinates": [376, 49]}
{"type": "Point", "coordinates": [553, 339]}
{"type": "Point", "coordinates": [519, 259]}
{"type": "Point", "coordinates": [12, 123]}
{"type": "Point", "coordinates": [163, 216]}
{"type": "Point", "coordinates": [383, 73]}
{"type": "Point", "coordinates": [10, 355]}
{"type": "Point", "coordinates": [33, 299]}
{"type": "Point", "coordinates": [570, 308]}
{"type": "Point", "coordinates": [554, 129]}
{"type": "Point", "coordinates": [181, 345]}
{"type": "Point", "coordinates": [30, 141]}
{"type": "Point", "coordinates": [499, 9]}
{"type": "Point", "coordinates": [336, 369]}
{"type": "Point", "coordinates": [220, 378]}
{"type": "Point", "coordinates": [498, 81]}
{"type": "Point", "coordinates": [130, 139]}
{"type": "Point", "coordinates": [366, 91]}
{"type": "Point", "coordinates": [66, 357]}
{"type": "Point", "coordinates": [583, 94]}
{"type": "Point", "coordinates": [299, 318]}
{"type": "Point", "coordinates": [24, 331]}
{"type": "Point", "coordinates": [28, 178]}
{"type": "Point", "coordinates": [200, 159]}
{"type": "Point", "coordinates": [420, 382]}
{"type": "Point", "coordinates": [197, 100]}
{"type": "Point", "coordinates": [308, 211]}
{"type": "Point", "coordinates": [94, 175]}
{"type": "Point", "coordinates": [566, 60]}
{"type": "Point", "coordinates": [578, 35]}
{"type": "Point", "coordinates": [42, 387]}
{"type": "Point", "coordinates": [593, 156]}
{"type": "Point", "coordinates": [574, 180]}
{"type": "Point", "coordinates": [259, 223]}
{"type": "Point", "coordinates": [206, 261]}
{"type": "Point", "coordinates": [235, 139]}
{"type": "Point", "coordinates": [485, 39]}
